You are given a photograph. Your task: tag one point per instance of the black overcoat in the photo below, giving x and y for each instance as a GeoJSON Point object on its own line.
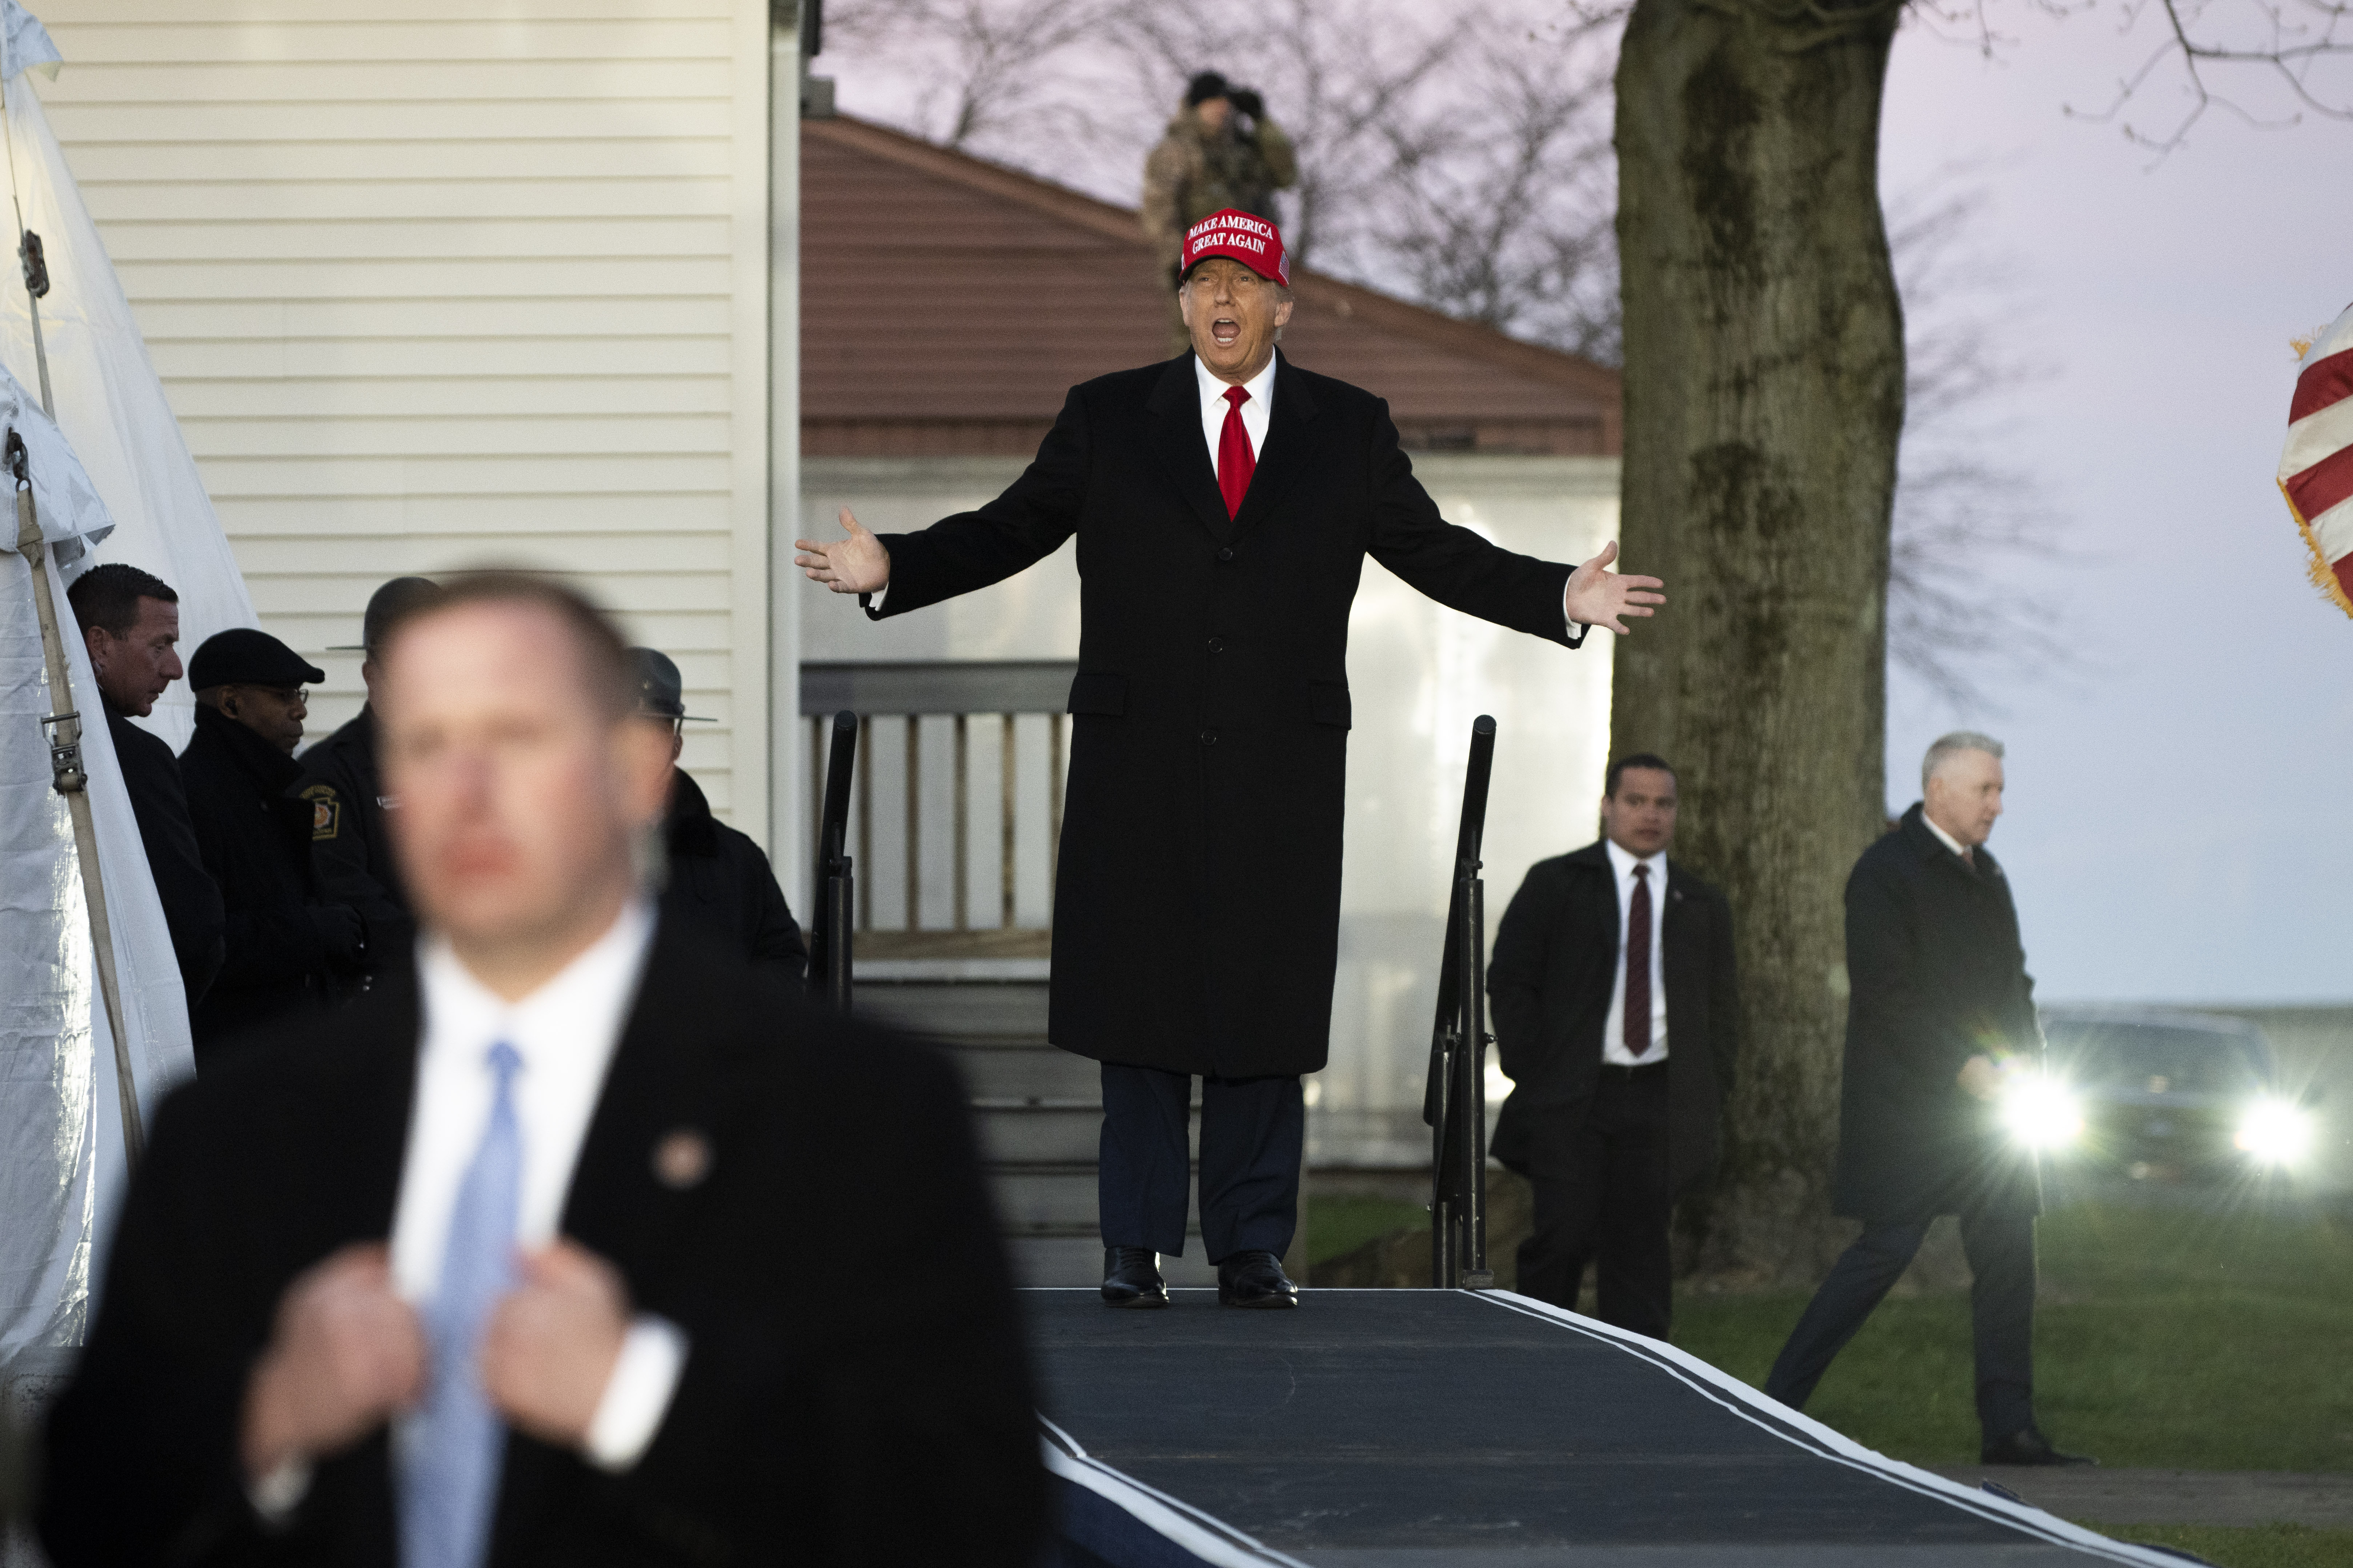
{"type": "Point", "coordinates": [813, 1423]}
{"type": "Point", "coordinates": [1938, 975]}
{"type": "Point", "coordinates": [254, 834]}
{"type": "Point", "coordinates": [1554, 967]}
{"type": "Point", "coordinates": [1197, 907]}
{"type": "Point", "coordinates": [190, 900]}
{"type": "Point", "coordinates": [351, 843]}
{"type": "Point", "coordinates": [721, 883]}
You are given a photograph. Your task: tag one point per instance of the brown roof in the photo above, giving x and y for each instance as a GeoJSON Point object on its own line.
{"type": "Point", "coordinates": [948, 303]}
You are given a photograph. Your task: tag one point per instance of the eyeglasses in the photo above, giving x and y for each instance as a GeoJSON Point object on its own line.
{"type": "Point", "coordinates": [290, 695]}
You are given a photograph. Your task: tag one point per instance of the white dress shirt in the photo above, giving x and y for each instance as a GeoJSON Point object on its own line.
{"type": "Point", "coordinates": [1255, 411]}
{"type": "Point", "coordinates": [565, 1033]}
{"type": "Point", "coordinates": [1946, 839]}
{"type": "Point", "coordinates": [1613, 1033]}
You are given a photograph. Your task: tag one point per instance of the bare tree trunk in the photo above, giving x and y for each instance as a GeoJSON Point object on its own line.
{"type": "Point", "coordinates": [1764, 399]}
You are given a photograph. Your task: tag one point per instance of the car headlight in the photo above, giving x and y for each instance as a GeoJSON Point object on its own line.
{"type": "Point", "coordinates": [2275, 1132]}
{"type": "Point", "coordinates": [2041, 1112]}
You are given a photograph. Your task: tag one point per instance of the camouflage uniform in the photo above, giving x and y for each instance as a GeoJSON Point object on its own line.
{"type": "Point", "coordinates": [1195, 171]}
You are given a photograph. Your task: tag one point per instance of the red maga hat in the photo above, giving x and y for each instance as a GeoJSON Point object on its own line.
{"type": "Point", "coordinates": [1254, 242]}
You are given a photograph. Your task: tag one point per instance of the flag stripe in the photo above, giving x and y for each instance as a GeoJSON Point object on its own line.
{"type": "Point", "coordinates": [2324, 485]}
{"type": "Point", "coordinates": [2324, 382]}
{"type": "Point", "coordinates": [2333, 529]}
{"type": "Point", "coordinates": [2316, 436]}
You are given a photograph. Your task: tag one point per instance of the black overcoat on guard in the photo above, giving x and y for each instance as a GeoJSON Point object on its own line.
{"type": "Point", "coordinates": [1198, 904]}
{"type": "Point", "coordinates": [1938, 975]}
{"type": "Point", "coordinates": [811, 1425]}
{"type": "Point", "coordinates": [1554, 969]}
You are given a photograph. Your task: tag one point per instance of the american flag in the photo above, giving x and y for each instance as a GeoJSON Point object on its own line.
{"type": "Point", "coordinates": [2315, 472]}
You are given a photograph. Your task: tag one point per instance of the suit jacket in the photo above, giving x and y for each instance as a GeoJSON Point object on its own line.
{"type": "Point", "coordinates": [828, 1413]}
{"type": "Point", "coordinates": [190, 900]}
{"type": "Point", "coordinates": [254, 834]}
{"type": "Point", "coordinates": [1938, 975]}
{"type": "Point", "coordinates": [1554, 968]}
{"type": "Point", "coordinates": [350, 847]}
{"type": "Point", "coordinates": [720, 882]}
{"type": "Point", "coordinates": [1196, 905]}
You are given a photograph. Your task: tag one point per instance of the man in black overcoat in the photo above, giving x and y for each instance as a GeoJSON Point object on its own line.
{"type": "Point", "coordinates": [1223, 504]}
{"type": "Point", "coordinates": [1941, 1035]}
{"type": "Point", "coordinates": [533, 1255]}
{"type": "Point", "coordinates": [717, 879]}
{"type": "Point", "coordinates": [129, 622]}
{"type": "Point", "coordinates": [351, 845]}
{"type": "Point", "coordinates": [1617, 1019]}
{"type": "Point", "coordinates": [289, 947]}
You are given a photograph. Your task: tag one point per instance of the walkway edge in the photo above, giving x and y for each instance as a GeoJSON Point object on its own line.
{"type": "Point", "coordinates": [1793, 1426]}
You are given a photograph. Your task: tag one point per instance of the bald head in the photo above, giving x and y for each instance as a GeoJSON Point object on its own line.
{"type": "Point", "coordinates": [523, 779]}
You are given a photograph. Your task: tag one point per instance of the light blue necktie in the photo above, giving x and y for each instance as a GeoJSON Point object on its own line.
{"type": "Point", "coordinates": [449, 1475]}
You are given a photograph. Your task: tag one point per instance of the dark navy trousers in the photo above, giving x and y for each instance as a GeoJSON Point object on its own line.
{"type": "Point", "coordinates": [1253, 1131]}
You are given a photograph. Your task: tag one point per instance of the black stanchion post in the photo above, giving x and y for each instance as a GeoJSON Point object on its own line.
{"type": "Point", "coordinates": [1454, 1100]}
{"type": "Point", "coordinates": [829, 953]}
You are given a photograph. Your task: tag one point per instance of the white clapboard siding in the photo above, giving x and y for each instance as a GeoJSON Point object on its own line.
{"type": "Point", "coordinates": [434, 283]}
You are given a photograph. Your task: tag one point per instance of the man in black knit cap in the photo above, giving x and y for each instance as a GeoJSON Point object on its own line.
{"type": "Point", "coordinates": [288, 947]}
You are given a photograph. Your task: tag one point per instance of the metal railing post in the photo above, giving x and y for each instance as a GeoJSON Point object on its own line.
{"type": "Point", "coordinates": [829, 954]}
{"type": "Point", "coordinates": [1454, 1097]}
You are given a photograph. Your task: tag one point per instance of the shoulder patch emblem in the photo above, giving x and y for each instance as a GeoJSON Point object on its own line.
{"type": "Point", "coordinates": [326, 812]}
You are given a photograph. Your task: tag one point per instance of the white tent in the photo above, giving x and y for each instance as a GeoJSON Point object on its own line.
{"type": "Point", "coordinates": [111, 466]}
{"type": "Point", "coordinates": [109, 401]}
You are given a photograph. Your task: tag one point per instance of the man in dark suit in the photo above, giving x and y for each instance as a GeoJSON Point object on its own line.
{"type": "Point", "coordinates": [1940, 1029]}
{"type": "Point", "coordinates": [289, 948]}
{"type": "Point", "coordinates": [130, 621]}
{"type": "Point", "coordinates": [1618, 1020]}
{"type": "Point", "coordinates": [718, 880]}
{"type": "Point", "coordinates": [534, 1255]}
{"type": "Point", "coordinates": [1224, 503]}
{"type": "Point", "coordinates": [350, 844]}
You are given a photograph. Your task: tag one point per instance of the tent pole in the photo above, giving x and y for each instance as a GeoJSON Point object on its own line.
{"type": "Point", "coordinates": [67, 774]}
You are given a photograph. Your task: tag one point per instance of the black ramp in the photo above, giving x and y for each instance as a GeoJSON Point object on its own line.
{"type": "Point", "coordinates": [1423, 1428]}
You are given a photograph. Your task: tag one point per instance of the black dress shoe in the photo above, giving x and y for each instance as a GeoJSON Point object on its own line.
{"type": "Point", "coordinates": [1132, 1277]}
{"type": "Point", "coordinates": [1254, 1279]}
{"type": "Point", "coordinates": [2029, 1447]}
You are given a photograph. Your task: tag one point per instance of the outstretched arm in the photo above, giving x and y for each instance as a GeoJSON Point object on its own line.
{"type": "Point", "coordinates": [972, 549]}
{"type": "Point", "coordinates": [1462, 569]}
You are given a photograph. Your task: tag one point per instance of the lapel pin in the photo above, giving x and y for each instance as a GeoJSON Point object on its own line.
{"type": "Point", "coordinates": [682, 1159]}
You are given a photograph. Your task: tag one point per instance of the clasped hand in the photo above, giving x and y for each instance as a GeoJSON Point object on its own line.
{"type": "Point", "coordinates": [347, 1354]}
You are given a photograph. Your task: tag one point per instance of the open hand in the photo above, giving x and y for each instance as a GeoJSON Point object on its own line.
{"type": "Point", "coordinates": [550, 1346]}
{"type": "Point", "coordinates": [858, 565]}
{"type": "Point", "coordinates": [1597, 597]}
{"type": "Point", "coordinates": [344, 1355]}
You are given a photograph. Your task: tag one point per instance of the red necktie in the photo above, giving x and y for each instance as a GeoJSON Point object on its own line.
{"type": "Point", "coordinates": [1637, 964]}
{"type": "Point", "coordinates": [1236, 461]}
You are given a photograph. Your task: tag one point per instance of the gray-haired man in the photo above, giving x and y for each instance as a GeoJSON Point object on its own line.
{"type": "Point", "coordinates": [1941, 1009]}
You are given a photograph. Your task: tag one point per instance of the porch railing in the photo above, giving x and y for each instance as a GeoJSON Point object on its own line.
{"type": "Point", "coordinates": [956, 815]}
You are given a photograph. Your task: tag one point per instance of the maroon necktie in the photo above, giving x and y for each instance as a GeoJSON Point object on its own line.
{"type": "Point", "coordinates": [1637, 966]}
{"type": "Point", "coordinates": [1236, 461]}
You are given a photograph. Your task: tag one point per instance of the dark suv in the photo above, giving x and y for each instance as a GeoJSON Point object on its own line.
{"type": "Point", "coordinates": [2169, 1096]}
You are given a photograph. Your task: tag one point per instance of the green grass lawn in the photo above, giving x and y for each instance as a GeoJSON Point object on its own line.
{"type": "Point", "coordinates": [2265, 1546]}
{"type": "Point", "coordinates": [1338, 1224]}
{"type": "Point", "coordinates": [2164, 1337]}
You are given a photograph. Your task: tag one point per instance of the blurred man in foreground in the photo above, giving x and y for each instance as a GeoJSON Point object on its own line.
{"type": "Point", "coordinates": [129, 622]}
{"type": "Point", "coordinates": [538, 1257]}
{"type": "Point", "coordinates": [350, 843]}
{"type": "Point", "coordinates": [1599, 951]}
{"type": "Point", "coordinates": [718, 878]}
{"type": "Point", "coordinates": [289, 948]}
{"type": "Point", "coordinates": [1940, 1025]}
